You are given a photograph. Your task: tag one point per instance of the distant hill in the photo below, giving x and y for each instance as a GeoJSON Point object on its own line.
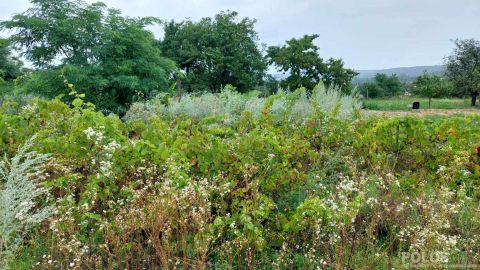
{"type": "Point", "coordinates": [405, 74]}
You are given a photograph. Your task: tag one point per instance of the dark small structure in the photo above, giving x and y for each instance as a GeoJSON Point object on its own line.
{"type": "Point", "coordinates": [416, 105]}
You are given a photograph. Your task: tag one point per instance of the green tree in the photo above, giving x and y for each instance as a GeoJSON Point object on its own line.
{"type": "Point", "coordinates": [131, 65]}
{"type": "Point", "coordinates": [382, 86]}
{"type": "Point", "coordinates": [463, 68]}
{"type": "Point", "coordinates": [112, 58]}
{"type": "Point", "coordinates": [9, 65]}
{"type": "Point", "coordinates": [64, 30]}
{"type": "Point", "coordinates": [338, 75]}
{"type": "Point", "coordinates": [215, 52]}
{"type": "Point", "coordinates": [431, 86]}
{"type": "Point", "coordinates": [389, 85]}
{"type": "Point", "coordinates": [370, 90]}
{"type": "Point", "coordinates": [187, 43]}
{"type": "Point", "coordinates": [300, 59]}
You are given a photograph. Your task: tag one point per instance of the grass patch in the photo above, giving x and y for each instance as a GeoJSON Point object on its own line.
{"type": "Point", "coordinates": [404, 103]}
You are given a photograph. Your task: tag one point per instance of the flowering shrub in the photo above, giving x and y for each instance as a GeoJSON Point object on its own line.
{"type": "Point", "coordinates": [248, 182]}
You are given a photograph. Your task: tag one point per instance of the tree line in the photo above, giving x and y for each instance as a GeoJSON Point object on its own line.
{"type": "Point", "coordinates": [116, 60]}
{"type": "Point", "coordinates": [426, 85]}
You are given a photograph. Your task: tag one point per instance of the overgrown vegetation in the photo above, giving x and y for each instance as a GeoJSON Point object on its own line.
{"type": "Point", "coordinates": [229, 105]}
{"type": "Point", "coordinates": [117, 61]}
{"type": "Point", "coordinates": [121, 151]}
{"type": "Point", "coordinates": [187, 189]}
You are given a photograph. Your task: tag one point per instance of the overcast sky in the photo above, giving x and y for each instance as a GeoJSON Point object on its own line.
{"type": "Point", "coordinates": [366, 34]}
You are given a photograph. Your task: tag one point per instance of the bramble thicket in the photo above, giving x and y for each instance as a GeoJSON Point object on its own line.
{"type": "Point", "coordinates": [254, 183]}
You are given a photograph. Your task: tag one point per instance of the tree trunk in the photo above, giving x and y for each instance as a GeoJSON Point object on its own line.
{"type": "Point", "coordinates": [429, 103]}
{"type": "Point", "coordinates": [179, 88]}
{"type": "Point", "coordinates": [474, 99]}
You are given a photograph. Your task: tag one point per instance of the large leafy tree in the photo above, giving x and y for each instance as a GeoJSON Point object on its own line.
{"type": "Point", "coordinates": [463, 68]}
{"type": "Point", "coordinates": [214, 52]}
{"type": "Point", "coordinates": [191, 46]}
{"type": "Point", "coordinates": [300, 59]}
{"type": "Point", "coordinates": [9, 65]}
{"type": "Point", "coordinates": [50, 31]}
{"type": "Point", "coordinates": [112, 58]}
{"type": "Point", "coordinates": [432, 86]}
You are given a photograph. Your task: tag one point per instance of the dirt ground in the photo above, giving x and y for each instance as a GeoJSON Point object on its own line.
{"type": "Point", "coordinates": [423, 113]}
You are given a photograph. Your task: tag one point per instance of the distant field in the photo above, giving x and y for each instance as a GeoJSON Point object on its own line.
{"type": "Point", "coordinates": [404, 103]}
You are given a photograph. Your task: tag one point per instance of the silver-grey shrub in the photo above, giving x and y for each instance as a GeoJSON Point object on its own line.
{"type": "Point", "coordinates": [295, 106]}
{"type": "Point", "coordinates": [19, 192]}
{"type": "Point", "coordinates": [145, 110]}
{"type": "Point", "coordinates": [331, 100]}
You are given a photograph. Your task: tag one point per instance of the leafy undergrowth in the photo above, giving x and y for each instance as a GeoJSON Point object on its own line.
{"type": "Point", "coordinates": [171, 191]}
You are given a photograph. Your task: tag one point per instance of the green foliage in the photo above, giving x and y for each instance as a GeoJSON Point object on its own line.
{"type": "Point", "coordinates": [58, 29]}
{"type": "Point", "coordinates": [47, 82]}
{"type": "Point", "coordinates": [110, 57]}
{"type": "Point", "coordinates": [463, 68]}
{"type": "Point", "coordinates": [9, 65]}
{"type": "Point", "coordinates": [383, 86]}
{"type": "Point", "coordinates": [214, 52]}
{"type": "Point", "coordinates": [370, 90]}
{"type": "Point", "coordinates": [389, 85]}
{"type": "Point", "coordinates": [301, 60]}
{"type": "Point", "coordinates": [432, 87]}
{"type": "Point", "coordinates": [260, 192]}
{"type": "Point", "coordinates": [227, 180]}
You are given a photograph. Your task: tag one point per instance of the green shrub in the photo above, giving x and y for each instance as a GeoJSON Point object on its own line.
{"type": "Point", "coordinates": [249, 183]}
